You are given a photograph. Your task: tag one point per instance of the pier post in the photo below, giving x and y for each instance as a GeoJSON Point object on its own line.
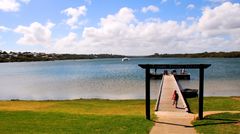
{"type": "Point", "coordinates": [201, 87]}
{"type": "Point", "coordinates": [147, 93]}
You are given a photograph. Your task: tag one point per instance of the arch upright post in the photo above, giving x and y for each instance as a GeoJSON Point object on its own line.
{"type": "Point", "coordinates": [200, 97]}
{"type": "Point", "coordinates": [147, 93]}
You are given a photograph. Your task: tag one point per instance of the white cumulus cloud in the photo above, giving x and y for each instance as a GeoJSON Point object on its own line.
{"type": "Point", "coordinates": [190, 18]}
{"type": "Point", "coordinates": [150, 8]}
{"type": "Point", "coordinates": [190, 6]}
{"type": "Point", "coordinates": [11, 5]}
{"type": "Point", "coordinates": [163, 1]}
{"type": "Point", "coordinates": [223, 19]}
{"type": "Point", "coordinates": [3, 29]}
{"type": "Point", "coordinates": [218, 1]}
{"type": "Point", "coordinates": [74, 14]}
{"type": "Point", "coordinates": [35, 34]}
{"type": "Point", "coordinates": [25, 1]}
{"type": "Point", "coordinates": [177, 2]}
{"type": "Point", "coordinates": [69, 41]}
{"type": "Point", "coordinates": [122, 33]}
{"type": "Point", "coordinates": [89, 2]}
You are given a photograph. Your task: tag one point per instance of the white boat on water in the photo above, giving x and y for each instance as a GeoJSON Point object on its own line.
{"type": "Point", "coordinates": [125, 59]}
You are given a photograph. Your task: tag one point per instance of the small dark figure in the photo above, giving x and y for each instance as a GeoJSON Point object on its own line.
{"type": "Point", "coordinates": [174, 72]}
{"type": "Point", "coordinates": [175, 98]}
{"type": "Point", "coordinates": [165, 72]}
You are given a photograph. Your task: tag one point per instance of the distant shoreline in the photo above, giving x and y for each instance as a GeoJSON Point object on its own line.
{"type": "Point", "coordinates": [43, 100]}
{"type": "Point", "coordinates": [33, 56]}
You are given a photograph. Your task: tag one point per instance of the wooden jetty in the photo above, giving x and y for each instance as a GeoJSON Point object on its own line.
{"type": "Point", "coordinates": [164, 101]}
{"type": "Point", "coordinates": [200, 67]}
{"type": "Point", "coordinates": [179, 76]}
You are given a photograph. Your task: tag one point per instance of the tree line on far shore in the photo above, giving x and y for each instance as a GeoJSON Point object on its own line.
{"type": "Point", "coordinates": [33, 56]}
{"type": "Point", "coordinates": [233, 54]}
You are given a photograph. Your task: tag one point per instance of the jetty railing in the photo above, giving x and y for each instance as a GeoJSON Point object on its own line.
{"type": "Point", "coordinates": [159, 95]}
{"type": "Point", "coordinates": [181, 96]}
{"type": "Point", "coordinates": [185, 100]}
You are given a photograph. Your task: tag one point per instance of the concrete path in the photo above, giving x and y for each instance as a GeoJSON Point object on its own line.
{"type": "Point", "coordinates": [178, 122]}
{"type": "Point", "coordinates": [171, 120]}
{"type": "Point", "coordinates": [173, 123]}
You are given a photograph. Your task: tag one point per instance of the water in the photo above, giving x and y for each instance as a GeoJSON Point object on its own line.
{"type": "Point", "coordinates": [107, 78]}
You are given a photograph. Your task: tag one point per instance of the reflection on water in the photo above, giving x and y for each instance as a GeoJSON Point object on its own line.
{"type": "Point", "coordinates": [106, 78]}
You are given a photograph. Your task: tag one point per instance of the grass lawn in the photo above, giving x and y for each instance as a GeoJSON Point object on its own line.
{"type": "Point", "coordinates": [224, 123]}
{"type": "Point", "coordinates": [216, 104]}
{"type": "Point", "coordinates": [74, 116]}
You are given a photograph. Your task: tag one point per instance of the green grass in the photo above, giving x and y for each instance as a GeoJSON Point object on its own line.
{"type": "Point", "coordinates": [216, 104]}
{"type": "Point", "coordinates": [83, 106]}
{"type": "Point", "coordinates": [74, 116]}
{"type": "Point", "coordinates": [224, 123]}
{"type": "Point", "coordinates": [35, 122]}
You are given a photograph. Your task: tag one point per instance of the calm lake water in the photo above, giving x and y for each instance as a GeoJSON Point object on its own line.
{"type": "Point", "coordinates": [108, 78]}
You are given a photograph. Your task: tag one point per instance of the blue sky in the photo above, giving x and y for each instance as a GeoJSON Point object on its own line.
{"type": "Point", "coordinates": [131, 27]}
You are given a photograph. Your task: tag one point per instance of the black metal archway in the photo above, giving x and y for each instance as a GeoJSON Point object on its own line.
{"type": "Point", "coordinates": [201, 68]}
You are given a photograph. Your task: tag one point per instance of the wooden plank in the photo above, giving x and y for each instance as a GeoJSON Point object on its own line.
{"type": "Point", "coordinates": [168, 87]}
{"type": "Point", "coordinates": [159, 95]}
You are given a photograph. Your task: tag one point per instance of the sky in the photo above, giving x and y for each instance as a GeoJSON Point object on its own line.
{"type": "Point", "coordinates": [128, 27]}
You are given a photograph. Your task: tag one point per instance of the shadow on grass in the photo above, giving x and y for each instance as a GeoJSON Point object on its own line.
{"type": "Point", "coordinates": [218, 123]}
{"type": "Point", "coordinates": [221, 121]}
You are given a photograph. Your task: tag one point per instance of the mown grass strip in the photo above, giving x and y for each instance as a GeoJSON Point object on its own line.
{"type": "Point", "coordinates": [82, 106]}
{"type": "Point", "coordinates": [216, 104]}
{"type": "Point", "coordinates": [39, 122]}
{"type": "Point", "coordinates": [75, 116]}
{"type": "Point", "coordinates": [224, 123]}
